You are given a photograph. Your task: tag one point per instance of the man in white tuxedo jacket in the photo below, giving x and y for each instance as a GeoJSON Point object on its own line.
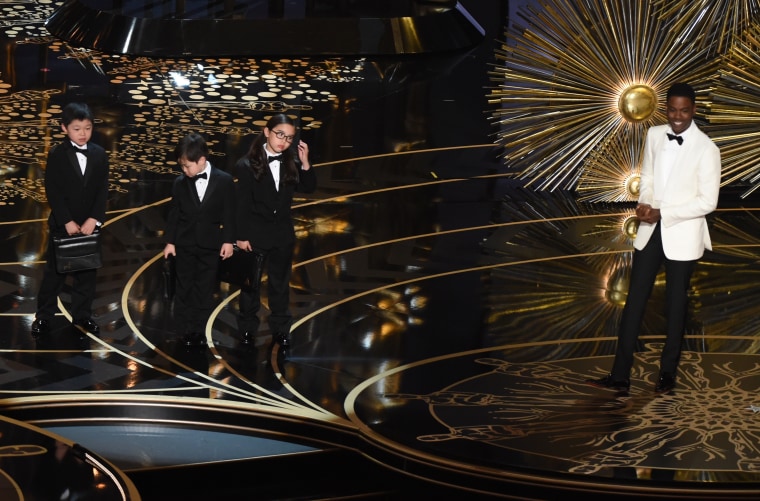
{"type": "Point", "coordinates": [680, 181]}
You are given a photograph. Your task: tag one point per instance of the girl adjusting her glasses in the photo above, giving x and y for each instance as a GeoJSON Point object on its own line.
{"type": "Point", "coordinates": [268, 176]}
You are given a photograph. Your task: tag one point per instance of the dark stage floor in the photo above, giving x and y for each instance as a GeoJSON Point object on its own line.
{"type": "Point", "coordinates": [446, 318]}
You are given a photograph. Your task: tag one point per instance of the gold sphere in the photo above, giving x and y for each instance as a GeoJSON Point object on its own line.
{"type": "Point", "coordinates": [631, 227]}
{"type": "Point", "coordinates": [632, 186]}
{"type": "Point", "coordinates": [617, 288]}
{"type": "Point", "coordinates": [637, 103]}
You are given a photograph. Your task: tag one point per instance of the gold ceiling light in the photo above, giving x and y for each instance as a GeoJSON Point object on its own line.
{"type": "Point", "coordinates": [582, 81]}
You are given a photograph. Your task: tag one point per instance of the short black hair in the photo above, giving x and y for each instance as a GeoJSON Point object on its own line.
{"type": "Point", "coordinates": [76, 111]}
{"type": "Point", "coordinates": [193, 146]}
{"type": "Point", "coordinates": [682, 89]}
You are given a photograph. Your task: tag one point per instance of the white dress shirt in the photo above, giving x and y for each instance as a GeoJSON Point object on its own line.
{"type": "Point", "coordinates": [81, 157]}
{"type": "Point", "coordinates": [274, 166]}
{"type": "Point", "coordinates": [202, 184]}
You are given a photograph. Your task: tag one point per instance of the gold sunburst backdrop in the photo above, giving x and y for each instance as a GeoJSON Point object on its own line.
{"type": "Point", "coordinates": [735, 113]}
{"type": "Point", "coordinates": [709, 20]}
{"type": "Point", "coordinates": [580, 82]}
{"type": "Point", "coordinates": [611, 170]}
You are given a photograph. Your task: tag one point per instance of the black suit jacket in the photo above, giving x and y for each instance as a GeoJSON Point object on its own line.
{"type": "Point", "coordinates": [207, 224]}
{"type": "Point", "coordinates": [71, 195]}
{"type": "Point", "coordinates": [263, 214]}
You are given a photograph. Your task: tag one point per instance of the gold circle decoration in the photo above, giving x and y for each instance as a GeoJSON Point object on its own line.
{"type": "Point", "coordinates": [631, 227]}
{"type": "Point", "coordinates": [617, 288]}
{"type": "Point", "coordinates": [632, 184]}
{"type": "Point", "coordinates": [637, 103]}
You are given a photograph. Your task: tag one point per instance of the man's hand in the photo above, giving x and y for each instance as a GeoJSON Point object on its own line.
{"type": "Point", "coordinates": [647, 214]}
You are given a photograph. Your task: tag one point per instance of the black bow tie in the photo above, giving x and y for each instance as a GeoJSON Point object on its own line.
{"type": "Point", "coordinates": [677, 138]}
{"type": "Point", "coordinates": [275, 157]}
{"type": "Point", "coordinates": [83, 151]}
{"type": "Point", "coordinates": [202, 175]}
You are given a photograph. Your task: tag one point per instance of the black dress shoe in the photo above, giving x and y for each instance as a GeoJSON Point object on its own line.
{"type": "Point", "coordinates": [40, 327]}
{"type": "Point", "coordinates": [248, 337]}
{"type": "Point", "coordinates": [282, 340]}
{"type": "Point", "coordinates": [665, 384]}
{"type": "Point", "coordinates": [88, 325]}
{"type": "Point", "coordinates": [610, 383]}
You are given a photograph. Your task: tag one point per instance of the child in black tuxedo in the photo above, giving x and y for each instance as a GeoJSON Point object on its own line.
{"type": "Point", "coordinates": [267, 178]}
{"type": "Point", "coordinates": [200, 229]}
{"type": "Point", "coordinates": [76, 186]}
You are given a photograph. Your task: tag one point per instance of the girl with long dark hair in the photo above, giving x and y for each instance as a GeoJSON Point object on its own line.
{"type": "Point", "coordinates": [267, 177]}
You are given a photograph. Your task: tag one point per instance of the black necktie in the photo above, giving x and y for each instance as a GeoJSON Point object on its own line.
{"type": "Point", "coordinates": [275, 157]}
{"type": "Point", "coordinates": [83, 151]}
{"type": "Point", "coordinates": [202, 175]}
{"type": "Point", "coordinates": [677, 138]}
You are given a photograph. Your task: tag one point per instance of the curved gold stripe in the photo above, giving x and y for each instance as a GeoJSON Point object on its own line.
{"type": "Point", "coordinates": [445, 274]}
{"type": "Point", "coordinates": [209, 326]}
{"type": "Point", "coordinates": [125, 311]}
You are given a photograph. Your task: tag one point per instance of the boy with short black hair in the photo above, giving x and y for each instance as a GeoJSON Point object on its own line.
{"type": "Point", "coordinates": [200, 230]}
{"type": "Point", "coordinates": [76, 186]}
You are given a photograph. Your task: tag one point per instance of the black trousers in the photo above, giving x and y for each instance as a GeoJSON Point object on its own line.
{"type": "Point", "coordinates": [82, 291]}
{"type": "Point", "coordinates": [277, 263]}
{"type": "Point", "coordinates": [646, 265]}
{"type": "Point", "coordinates": [196, 274]}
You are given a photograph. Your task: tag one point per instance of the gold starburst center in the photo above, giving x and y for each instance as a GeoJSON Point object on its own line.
{"type": "Point", "coordinates": [631, 227]}
{"type": "Point", "coordinates": [637, 103]}
{"type": "Point", "coordinates": [632, 186]}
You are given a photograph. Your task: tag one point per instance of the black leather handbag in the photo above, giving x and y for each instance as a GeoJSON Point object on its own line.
{"type": "Point", "coordinates": [77, 252]}
{"type": "Point", "coordinates": [243, 268]}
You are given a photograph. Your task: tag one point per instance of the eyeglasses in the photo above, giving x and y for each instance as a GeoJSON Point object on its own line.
{"type": "Point", "coordinates": [281, 135]}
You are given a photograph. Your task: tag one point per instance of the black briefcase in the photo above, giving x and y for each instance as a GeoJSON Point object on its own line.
{"type": "Point", "coordinates": [243, 268]}
{"type": "Point", "coordinates": [77, 252]}
{"type": "Point", "coordinates": [169, 274]}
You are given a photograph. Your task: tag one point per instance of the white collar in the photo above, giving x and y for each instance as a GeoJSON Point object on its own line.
{"type": "Point", "coordinates": [685, 133]}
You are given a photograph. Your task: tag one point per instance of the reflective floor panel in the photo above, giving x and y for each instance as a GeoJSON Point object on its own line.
{"type": "Point", "coordinates": [445, 316]}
